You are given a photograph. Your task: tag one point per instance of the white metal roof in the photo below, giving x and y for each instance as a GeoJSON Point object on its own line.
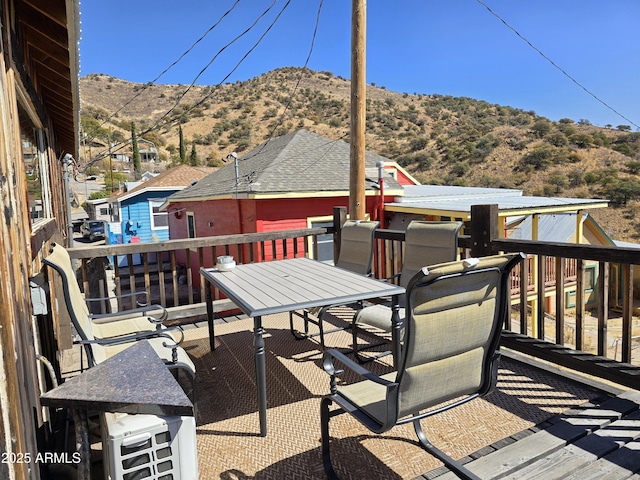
{"type": "Point", "coordinates": [449, 200]}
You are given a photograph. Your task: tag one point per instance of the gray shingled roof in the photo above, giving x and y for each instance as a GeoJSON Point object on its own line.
{"type": "Point", "coordinates": [300, 161]}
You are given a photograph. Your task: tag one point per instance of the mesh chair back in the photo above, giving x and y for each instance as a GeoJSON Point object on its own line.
{"type": "Point", "coordinates": [60, 261]}
{"type": "Point", "coordinates": [454, 317]}
{"type": "Point", "coordinates": [356, 246]}
{"type": "Point", "coordinates": [428, 243]}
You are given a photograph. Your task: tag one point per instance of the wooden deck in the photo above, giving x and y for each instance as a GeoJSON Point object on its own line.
{"type": "Point", "coordinates": [594, 441]}
{"type": "Point", "coordinates": [590, 440]}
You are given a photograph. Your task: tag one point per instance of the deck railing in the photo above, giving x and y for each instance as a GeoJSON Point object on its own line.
{"type": "Point", "coordinates": [556, 317]}
{"type": "Point", "coordinates": [169, 272]}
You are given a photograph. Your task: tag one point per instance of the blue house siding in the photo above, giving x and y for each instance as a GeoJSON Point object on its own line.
{"type": "Point", "coordinates": [136, 217]}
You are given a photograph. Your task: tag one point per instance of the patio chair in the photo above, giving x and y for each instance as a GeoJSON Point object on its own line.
{"type": "Point", "coordinates": [356, 255]}
{"type": "Point", "coordinates": [102, 336]}
{"type": "Point", "coordinates": [454, 317]}
{"type": "Point", "coordinates": [426, 243]}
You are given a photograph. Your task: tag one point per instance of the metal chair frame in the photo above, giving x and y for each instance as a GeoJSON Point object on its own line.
{"type": "Point", "coordinates": [426, 243]}
{"type": "Point", "coordinates": [401, 404]}
{"type": "Point", "coordinates": [168, 350]}
{"type": "Point", "coordinates": [356, 234]}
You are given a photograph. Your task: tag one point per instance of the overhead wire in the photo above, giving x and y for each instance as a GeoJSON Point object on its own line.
{"type": "Point", "coordinates": [175, 62]}
{"type": "Point", "coordinates": [295, 88]}
{"type": "Point", "coordinates": [158, 124]}
{"type": "Point", "coordinates": [248, 177]}
{"type": "Point", "coordinates": [556, 65]}
{"type": "Point", "coordinates": [247, 30]}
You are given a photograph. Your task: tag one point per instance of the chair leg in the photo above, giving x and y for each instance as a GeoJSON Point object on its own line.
{"type": "Point", "coordinates": [356, 349]}
{"type": "Point", "coordinates": [298, 335]}
{"type": "Point", "coordinates": [457, 467]}
{"type": "Point", "coordinates": [324, 429]}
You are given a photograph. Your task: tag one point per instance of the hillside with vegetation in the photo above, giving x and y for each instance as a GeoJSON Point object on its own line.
{"type": "Point", "coordinates": [439, 139]}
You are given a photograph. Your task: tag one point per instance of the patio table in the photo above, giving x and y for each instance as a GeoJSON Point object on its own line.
{"type": "Point", "coordinates": [280, 286]}
{"type": "Point", "coordinates": [134, 381]}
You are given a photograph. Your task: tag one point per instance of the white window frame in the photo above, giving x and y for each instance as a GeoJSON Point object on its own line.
{"type": "Point", "coordinates": [154, 202]}
{"type": "Point", "coordinates": [310, 222]}
{"type": "Point", "coordinates": [191, 225]}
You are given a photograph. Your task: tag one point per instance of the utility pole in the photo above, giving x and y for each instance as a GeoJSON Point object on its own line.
{"type": "Point", "coordinates": [357, 205]}
{"type": "Point", "coordinates": [110, 160]}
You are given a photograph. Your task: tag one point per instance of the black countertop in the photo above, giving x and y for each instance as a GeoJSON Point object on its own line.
{"type": "Point", "coordinates": [134, 381]}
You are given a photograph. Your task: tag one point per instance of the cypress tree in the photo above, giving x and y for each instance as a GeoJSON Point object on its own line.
{"type": "Point", "coordinates": [183, 147]}
{"type": "Point", "coordinates": [137, 167]}
{"type": "Point", "coordinates": [193, 158]}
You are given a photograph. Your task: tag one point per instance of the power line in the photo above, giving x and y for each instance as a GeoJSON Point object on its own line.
{"type": "Point", "coordinates": [556, 65]}
{"type": "Point", "coordinates": [247, 30]}
{"type": "Point", "coordinates": [193, 45]}
{"type": "Point", "coordinates": [158, 124]}
{"type": "Point", "coordinates": [295, 88]}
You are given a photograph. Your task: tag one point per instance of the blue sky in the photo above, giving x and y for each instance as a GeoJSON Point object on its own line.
{"type": "Point", "coordinates": [450, 47]}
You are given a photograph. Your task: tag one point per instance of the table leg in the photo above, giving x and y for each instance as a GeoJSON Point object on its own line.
{"type": "Point", "coordinates": [395, 329]}
{"type": "Point", "coordinates": [209, 302]}
{"type": "Point", "coordinates": [261, 377]}
{"type": "Point", "coordinates": [83, 447]}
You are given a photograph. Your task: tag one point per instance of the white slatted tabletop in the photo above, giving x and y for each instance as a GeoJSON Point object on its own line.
{"type": "Point", "coordinates": [285, 285]}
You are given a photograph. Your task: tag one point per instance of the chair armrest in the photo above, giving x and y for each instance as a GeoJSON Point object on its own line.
{"type": "Point", "coordinates": [148, 311]}
{"type": "Point", "coordinates": [329, 367]}
{"type": "Point", "coordinates": [134, 337]}
{"type": "Point", "coordinates": [387, 279]}
{"type": "Point", "coordinates": [124, 295]}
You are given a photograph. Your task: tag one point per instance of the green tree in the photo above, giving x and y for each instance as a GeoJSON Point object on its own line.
{"type": "Point", "coordinates": [634, 167]}
{"type": "Point", "coordinates": [137, 167]}
{"type": "Point", "coordinates": [557, 139]}
{"type": "Point", "coordinates": [581, 140]}
{"type": "Point", "coordinates": [183, 147]}
{"type": "Point", "coordinates": [114, 181]}
{"type": "Point", "coordinates": [193, 157]}
{"type": "Point", "coordinates": [540, 158]}
{"type": "Point", "coordinates": [576, 177]}
{"type": "Point", "coordinates": [625, 149]}
{"type": "Point", "coordinates": [559, 181]}
{"type": "Point", "coordinates": [541, 128]}
{"type": "Point", "coordinates": [623, 190]}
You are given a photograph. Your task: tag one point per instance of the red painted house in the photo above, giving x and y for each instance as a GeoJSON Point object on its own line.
{"type": "Point", "coordinates": [288, 182]}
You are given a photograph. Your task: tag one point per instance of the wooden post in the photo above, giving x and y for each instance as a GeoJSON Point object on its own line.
{"type": "Point", "coordinates": [560, 301]}
{"type": "Point", "coordinates": [627, 313]}
{"type": "Point", "coordinates": [358, 111]}
{"type": "Point", "coordinates": [484, 228]}
{"type": "Point", "coordinates": [339, 217]}
{"type": "Point", "coordinates": [603, 306]}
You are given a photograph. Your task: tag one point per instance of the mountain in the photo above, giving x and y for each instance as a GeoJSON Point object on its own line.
{"type": "Point", "coordinates": [438, 139]}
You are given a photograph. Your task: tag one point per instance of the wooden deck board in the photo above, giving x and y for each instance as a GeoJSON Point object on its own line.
{"type": "Point", "coordinates": [596, 442]}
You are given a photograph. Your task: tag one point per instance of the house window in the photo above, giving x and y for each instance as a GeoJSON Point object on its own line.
{"type": "Point", "coordinates": [325, 242]}
{"type": "Point", "coordinates": [191, 225]}
{"type": "Point", "coordinates": [34, 151]}
{"type": "Point", "coordinates": [159, 219]}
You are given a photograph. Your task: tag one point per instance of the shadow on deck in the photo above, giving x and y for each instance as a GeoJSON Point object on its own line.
{"type": "Point", "coordinates": [536, 424]}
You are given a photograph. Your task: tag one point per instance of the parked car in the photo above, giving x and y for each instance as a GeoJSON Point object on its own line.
{"type": "Point", "coordinates": [92, 229]}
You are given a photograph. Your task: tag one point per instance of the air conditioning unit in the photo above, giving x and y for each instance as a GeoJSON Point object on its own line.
{"type": "Point", "coordinates": [149, 446]}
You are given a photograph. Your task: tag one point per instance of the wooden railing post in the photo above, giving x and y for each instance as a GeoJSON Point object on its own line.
{"type": "Point", "coordinates": [603, 306]}
{"type": "Point", "coordinates": [339, 217]}
{"type": "Point", "coordinates": [484, 229]}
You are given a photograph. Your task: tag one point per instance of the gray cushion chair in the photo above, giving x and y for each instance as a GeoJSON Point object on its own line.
{"type": "Point", "coordinates": [454, 316]}
{"type": "Point", "coordinates": [356, 255]}
{"type": "Point", "coordinates": [426, 243]}
{"type": "Point", "coordinates": [104, 335]}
